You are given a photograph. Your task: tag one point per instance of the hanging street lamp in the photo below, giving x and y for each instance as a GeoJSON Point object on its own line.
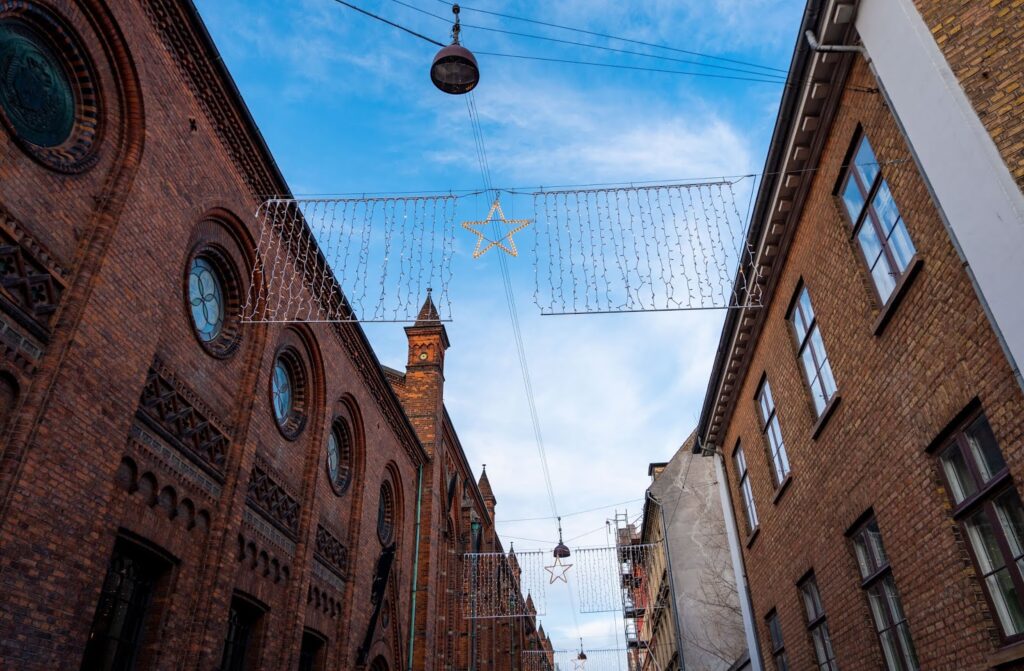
{"type": "Point", "coordinates": [454, 69]}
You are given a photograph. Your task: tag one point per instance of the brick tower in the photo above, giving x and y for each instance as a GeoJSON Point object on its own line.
{"type": "Point", "coordinates": [422, 395]}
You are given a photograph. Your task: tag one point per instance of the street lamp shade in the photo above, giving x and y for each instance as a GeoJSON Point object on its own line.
{"type": "Point", "coordinates": [455, 70]}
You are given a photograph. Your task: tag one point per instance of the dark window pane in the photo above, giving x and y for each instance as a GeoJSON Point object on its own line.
{"type": "Point", "coordinates": [958, 475]}
{"type": "Point", "coordinates": [121, 612]}
{"type": "Point", "coordinates": [984, 449]}
{"type": "Point", "coordinates": [243, 619]}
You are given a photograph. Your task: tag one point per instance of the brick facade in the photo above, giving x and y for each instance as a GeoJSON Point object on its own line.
{"type": "Point", "coordinates": [905, 373]}
{"type": "Point", "coordinates": [981, 42]}
{"type": "Point", "coordinates": [121, 429]}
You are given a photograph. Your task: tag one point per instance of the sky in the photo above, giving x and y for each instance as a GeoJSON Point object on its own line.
{"type": "Point", "coordinates": [347, 106]}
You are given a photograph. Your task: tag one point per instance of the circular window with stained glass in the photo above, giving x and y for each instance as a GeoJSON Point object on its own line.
{"type": "Point", "coordinates": [287, 393]}
{"type": "Point", "coordinates": [339, 456]}
{"type": "Point", "coordinates": [49, 98]}
{"type": "Point", "coordinates": [206, 298]}
{"type": "Point", "coordinates": [211, 294]}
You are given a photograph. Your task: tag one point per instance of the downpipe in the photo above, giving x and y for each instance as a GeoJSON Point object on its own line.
{"type": "Point", "coordinates": [415, 567]}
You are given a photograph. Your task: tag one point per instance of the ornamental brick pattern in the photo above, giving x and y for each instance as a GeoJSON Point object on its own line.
{"type": "Point", "coordinates": [120, 428]}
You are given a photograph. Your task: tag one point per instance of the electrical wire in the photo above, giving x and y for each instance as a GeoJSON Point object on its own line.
{"type": "Point", "coordinates": [586, 45]}
{"type": "Point", "coordinates": [390, 23]}
{"type": "Point", "coordinates": [612, 37]}
{"type": "Point", "coordinates": [577, 512]}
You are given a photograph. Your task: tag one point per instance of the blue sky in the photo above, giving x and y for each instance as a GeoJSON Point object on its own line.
{"type": "Point", "coordinates": [346, 105]}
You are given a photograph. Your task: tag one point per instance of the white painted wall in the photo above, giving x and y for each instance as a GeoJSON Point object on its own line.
{"type": "Point", "coordinates": [982, 205]}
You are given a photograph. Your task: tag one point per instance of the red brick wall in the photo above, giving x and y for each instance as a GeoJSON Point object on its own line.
{"type": "Point", "coordinates": [981, 41]}
{"type": "Point", "coordinates": [898, 391]}
{"type": "Point", "coordinates": [71, 476]}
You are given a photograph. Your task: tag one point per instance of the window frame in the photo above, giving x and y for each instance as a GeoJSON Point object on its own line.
{"type": "Point", "coordinates": [868, 212]}
{"type": "Point", "coordinates": [294, 422]}
{"type": "Point", "coordinates": [766, 422]}
{"type": "Point", "coordinates": [817, 623]}
{"type": "Point", "coordinates": [804, 341]}
{"type": "Point", "coordinates": [880, 573]}
{"type": "Point", "coordinates": [778, 648]}
{"type": "Point", "coordinates": [745, 490]}
{"type": "Point", "coordinates": [983, 500]}
{"type": "Point", "coordinates": [341, 481]}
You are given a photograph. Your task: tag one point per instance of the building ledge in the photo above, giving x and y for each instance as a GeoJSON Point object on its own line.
{"type": "Point", "coordinates": [752, 536]}
{"type": "Point", "coordinates": [781, 489]}
{"type": "Point", "coordinates": [897, 295]}
{"type": "Point", "coordinates": [1013, 652]}
{"type": "Point", "coordinates": [826, 415]}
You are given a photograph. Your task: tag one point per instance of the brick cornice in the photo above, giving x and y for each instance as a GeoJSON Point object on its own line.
{"type": "Point", "coordinates": [179, 25]}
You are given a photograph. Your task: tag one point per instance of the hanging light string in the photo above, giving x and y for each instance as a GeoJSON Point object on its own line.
{"type": "Point", "coordinates": [531, 190]}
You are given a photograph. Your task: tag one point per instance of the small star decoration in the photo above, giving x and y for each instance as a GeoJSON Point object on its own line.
{"type": "Point", "coordinates": [558, 571]}
{"type": "Point", "coordinates": [510, 248]}
{"type": "Point", "coordinates": [579, 664]}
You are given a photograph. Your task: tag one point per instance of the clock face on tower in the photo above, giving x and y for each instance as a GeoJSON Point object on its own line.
{"type": "Point", "coordinates": [423, 356]}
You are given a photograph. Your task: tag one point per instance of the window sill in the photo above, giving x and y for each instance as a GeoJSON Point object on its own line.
{"type": "Point", "coordinates": [780, 490]}
{"type": "Point", "coordinates": [826, 414]}
{"type": "Point", "coordinates": [752, 537]}
{"type": "Point", "coordinates": [1012, 652]}
{"type": "Point", "coordinates": [897, 295]}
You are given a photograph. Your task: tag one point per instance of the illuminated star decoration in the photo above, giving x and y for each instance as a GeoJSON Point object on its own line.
{"type": "Point", "coordinates": [558, 571]}
{"type": "Point", "coordinates": [510, 248]}
{"type": "Point", "coordinates": [579, 664]}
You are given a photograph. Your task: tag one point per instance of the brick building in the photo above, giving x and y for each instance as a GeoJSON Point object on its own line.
{"type": "Point", "coordinates": [868, 420]}
{"type": "Point", "coordinates": [179, 489]}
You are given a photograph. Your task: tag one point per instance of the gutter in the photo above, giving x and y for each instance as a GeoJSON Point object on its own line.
{"type": "Point", "coordinates": [759, 219]}
{"type": "Point", "coordinates": [415, 566]}
{"type": "Point", "coordinates": [671, 578]}
{"type": "Point", "coordinates": [738, 568]}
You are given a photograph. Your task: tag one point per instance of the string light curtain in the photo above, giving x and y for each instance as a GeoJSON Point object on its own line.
{"type": "Point", "coordinates": [381, 254]}
{"type": "Point", "coordinates": [645, 248]}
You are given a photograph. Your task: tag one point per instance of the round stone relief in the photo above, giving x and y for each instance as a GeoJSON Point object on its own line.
{"type": "Point", "coordinates": [48, 97]}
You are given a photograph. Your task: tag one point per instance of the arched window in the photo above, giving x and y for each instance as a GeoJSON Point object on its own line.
{"type": "Point", "coordinates": [8, 399]}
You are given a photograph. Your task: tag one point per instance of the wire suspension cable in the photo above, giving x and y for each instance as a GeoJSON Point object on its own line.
{"type": "Point", "coordinates": [629, 52]}
{"type": "Point", "coordinates": [390, 23]}
{"type": "Point", "coordinates": [613, 37]}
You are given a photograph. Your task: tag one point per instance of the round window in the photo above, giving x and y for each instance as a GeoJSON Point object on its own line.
{"type": "Point", "coordinates": [211, 300]}
{"type": "Point", "coordinates": [35, 90]}
{"type": "Point", "coordinates": [386, 514]}
{"type": "Point", "coordinates": [339, 456]}
{"type": "Point", "coordinates": [281, 388]}
{"type": "Point", "coordinates": [206, 298]}
{"type": "Point", "coordinates": [49, 98]}
{"type": "Point", "coordinates": [288, 393]}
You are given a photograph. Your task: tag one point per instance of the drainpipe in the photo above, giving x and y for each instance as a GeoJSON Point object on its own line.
{"type": "Point", "coordinates": [839, 48]}
{"type": "Point", "coordinates": [415, 565]}
{"type": "Point", "coordinates": [739, 570]}
{"type": "Point", "coordinates": [671, 580]}
{"type": "Point", "coordinates": [475, 527]}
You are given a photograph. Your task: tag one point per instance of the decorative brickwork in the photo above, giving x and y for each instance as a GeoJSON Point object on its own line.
{"type": "Point", "coordinates": [29, 279]}
{"type": "Point", "coordinates": [331, 551]}
{"type": "Point", "coordinates": [178, 415]}
{"type": "Point", "coordinates": [270, 498]}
